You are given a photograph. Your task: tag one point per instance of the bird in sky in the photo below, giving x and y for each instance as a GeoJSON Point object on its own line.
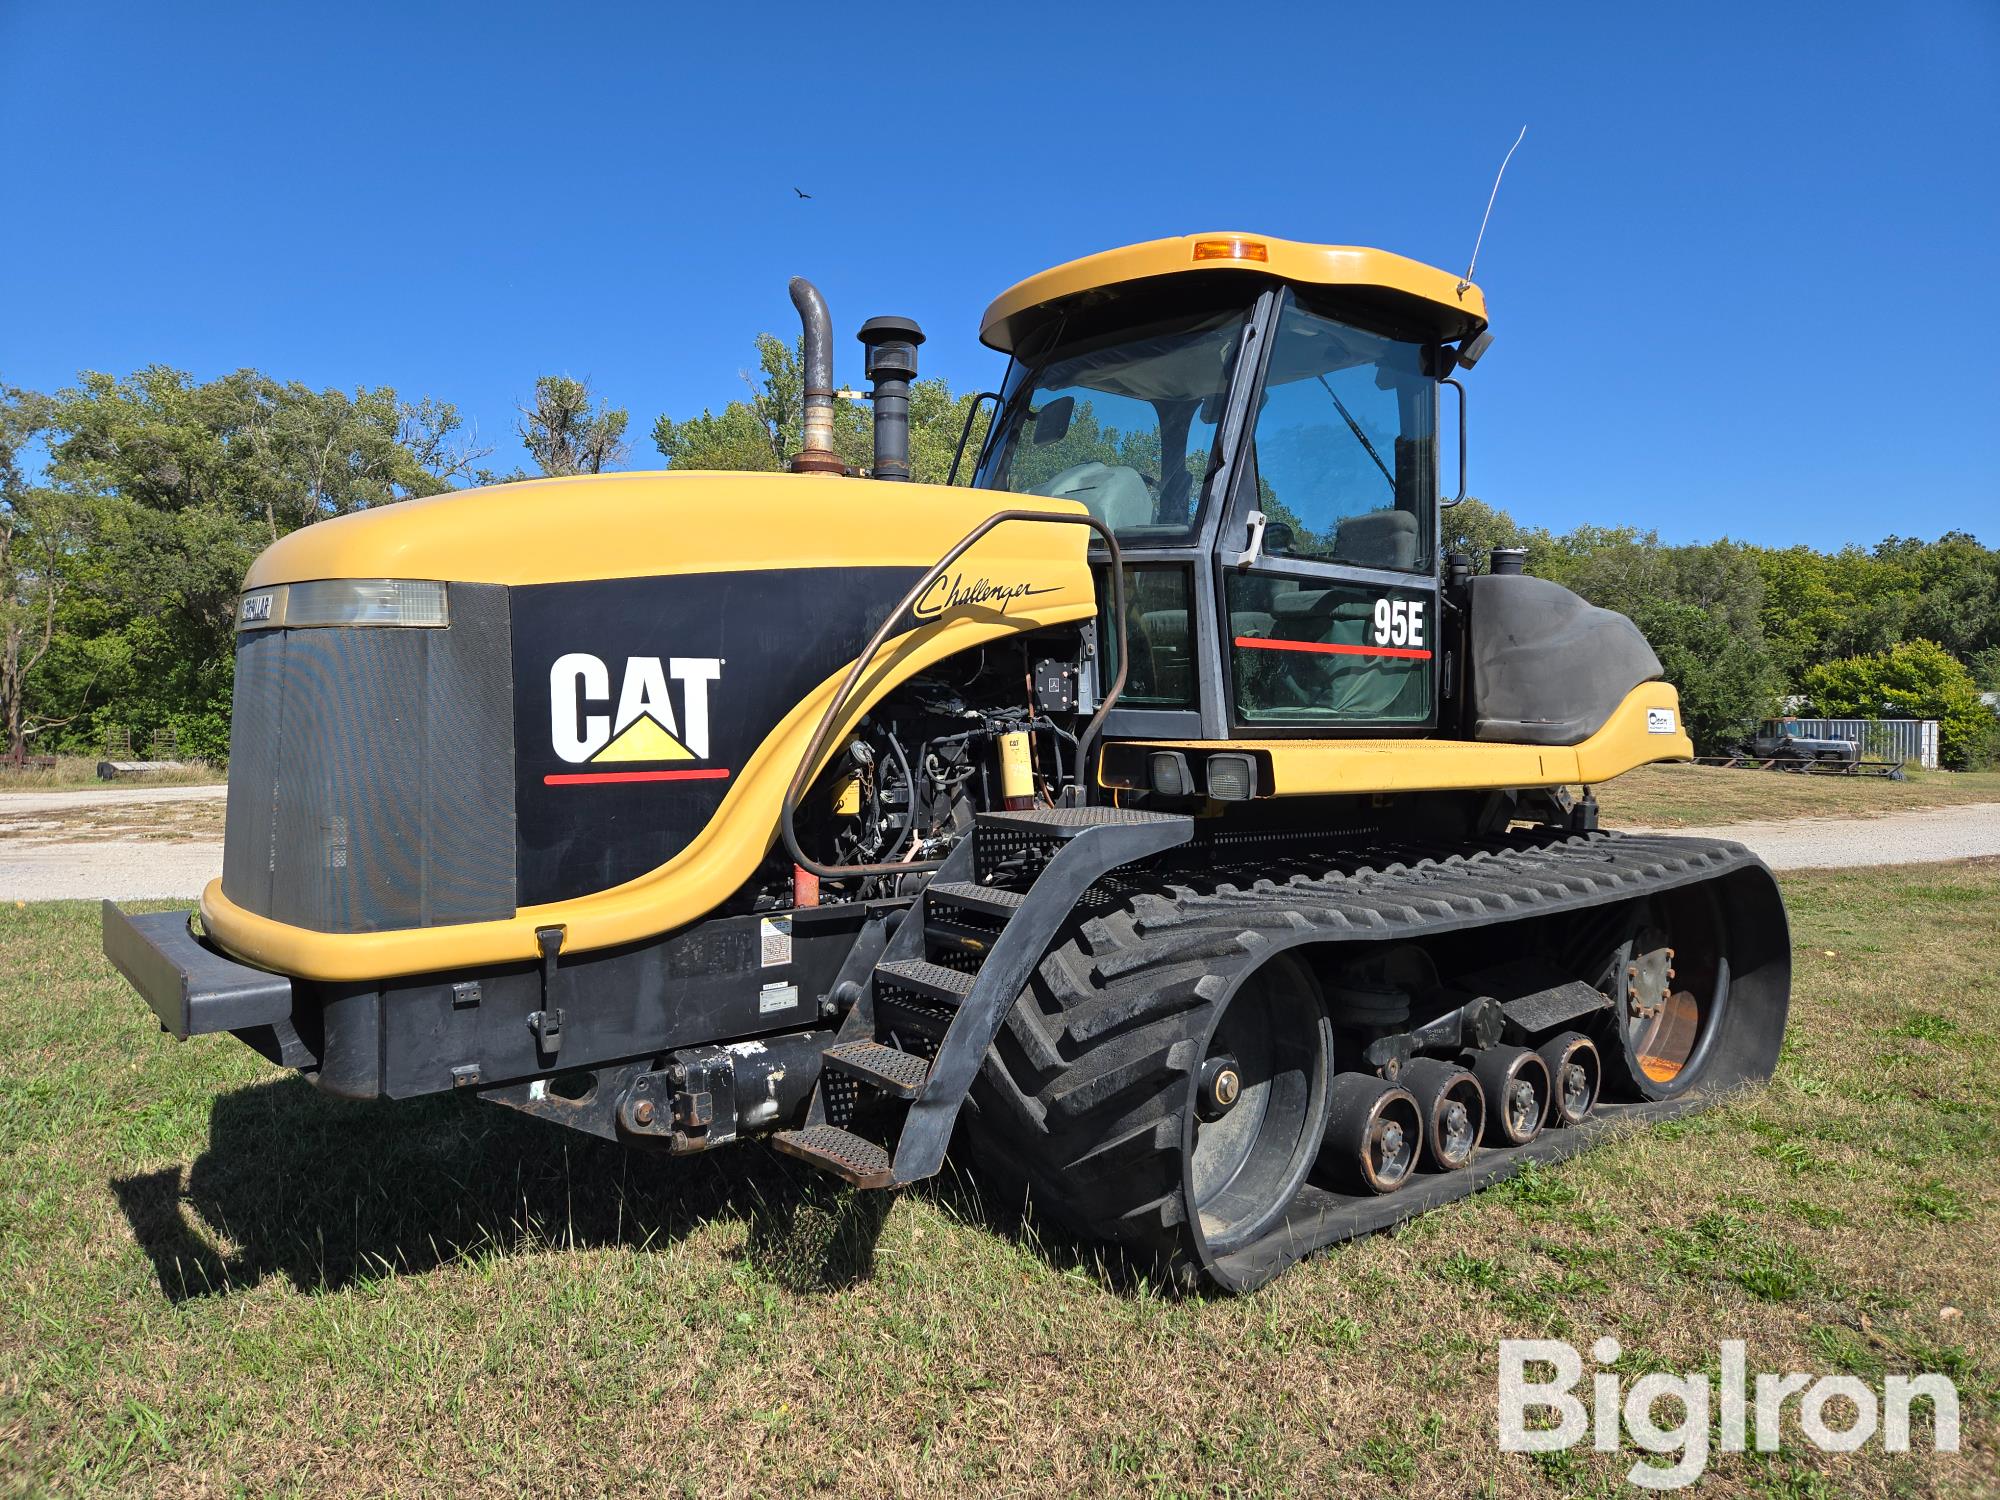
{"type": "Point", "coordinates": [802, 192]}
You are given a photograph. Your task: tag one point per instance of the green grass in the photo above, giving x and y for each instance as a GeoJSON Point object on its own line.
{"type": "Point", "coordinates": [214, 1280]}
{"type": "Point", "coordinates": [1681, 796]}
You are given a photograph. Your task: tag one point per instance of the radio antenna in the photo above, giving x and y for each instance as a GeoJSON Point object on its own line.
{"type": "Point", "coordinates": [1472, 264]}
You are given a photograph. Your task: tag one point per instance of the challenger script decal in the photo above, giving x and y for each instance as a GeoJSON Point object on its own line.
{"type": "Point", "coordinates": [952, 591]}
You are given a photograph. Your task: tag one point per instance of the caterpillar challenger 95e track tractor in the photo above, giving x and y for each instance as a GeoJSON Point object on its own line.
{"type": "Point", "coordinates": [1160, 816]}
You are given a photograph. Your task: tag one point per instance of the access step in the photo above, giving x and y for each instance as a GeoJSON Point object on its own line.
{"type": "Point", "coordinates": [1067, 822]}
{"type": "Point", "coordinates": [934, 980]}
{"type": "Point", "coordinates": [994, 900]}
{"type": "Point", "coordinates": [890, 1069]}
{"type": "Point", "coordinates": [850, 1157]}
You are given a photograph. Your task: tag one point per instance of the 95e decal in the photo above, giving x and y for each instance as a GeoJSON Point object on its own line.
{"type": "Point", "coordinates": [1399, 622]}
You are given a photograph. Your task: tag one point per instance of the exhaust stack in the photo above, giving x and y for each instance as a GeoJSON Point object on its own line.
{"type": "Point", "coordinates": [817, 455]}
{"type": "Point", "coordinates": [892, 365]}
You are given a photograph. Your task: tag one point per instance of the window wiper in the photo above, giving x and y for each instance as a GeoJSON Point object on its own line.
{"type": "Point", "coordinates": [1355, 428]}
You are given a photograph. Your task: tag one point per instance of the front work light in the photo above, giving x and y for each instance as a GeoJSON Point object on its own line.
{"type": "Point", "coordinates": [411, 603]}
{"type": "Point", "coordinates": [1170, 774]}
{"type": "Point", "coordinates": [1232, 778]}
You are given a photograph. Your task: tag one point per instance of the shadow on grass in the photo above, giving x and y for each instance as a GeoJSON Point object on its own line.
{"type": "Point", "coordinates": [996, 1201]}
{"type": "Point", "coordinates": [327, 1192]}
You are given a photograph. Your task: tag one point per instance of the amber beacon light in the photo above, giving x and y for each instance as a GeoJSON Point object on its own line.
{"type": "Point", "coordinates": [1235, 248]}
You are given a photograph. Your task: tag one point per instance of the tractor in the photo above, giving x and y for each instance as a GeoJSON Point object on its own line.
{"type": "Point", "coordinates": [1157, 816]}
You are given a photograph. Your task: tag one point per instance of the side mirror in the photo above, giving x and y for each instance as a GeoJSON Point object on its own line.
{"type": "Point", "coordinates": [1455, 499]}
{"type": "Point", "coordinates": [1052, 421]}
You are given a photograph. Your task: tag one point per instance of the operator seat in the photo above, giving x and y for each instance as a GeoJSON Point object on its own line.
{"type": "Point", "coordinates": [1115, 494]}
{"type": "Point", "coordinates": [1379, 539]}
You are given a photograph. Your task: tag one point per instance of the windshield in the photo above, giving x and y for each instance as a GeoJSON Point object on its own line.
{"type": "Point", "coordinates": [1123, 423]}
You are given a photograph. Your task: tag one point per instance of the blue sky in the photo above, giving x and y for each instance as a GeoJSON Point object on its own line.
{"type": "Point", "coordinates": [1740, 272]}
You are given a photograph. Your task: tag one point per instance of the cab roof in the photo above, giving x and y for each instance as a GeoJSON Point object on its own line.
{"type": "Point", "coordinates": [1409, 291]}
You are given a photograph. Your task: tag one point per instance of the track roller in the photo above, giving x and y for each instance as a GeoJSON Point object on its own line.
{"type": "Point", "coordinates": [1516, 1082]}
{"type": "Point", "coordinates": [1453, 1106]}
{"type": "Point", "coordinates": [1576, 1074]}
{"type": "Point", "coordinates": [1374, 1132]}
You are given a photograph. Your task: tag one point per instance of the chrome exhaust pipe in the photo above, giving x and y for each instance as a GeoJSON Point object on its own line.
{"type": "Point", "coordinates": [816, 455]}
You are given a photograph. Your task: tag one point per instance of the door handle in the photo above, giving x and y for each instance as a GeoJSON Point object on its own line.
{"type": "Point", "coordinates": [1255, 550]}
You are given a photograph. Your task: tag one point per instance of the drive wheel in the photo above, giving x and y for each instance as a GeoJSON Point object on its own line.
{"type": "Point", "coordinates": [1135, 1103]}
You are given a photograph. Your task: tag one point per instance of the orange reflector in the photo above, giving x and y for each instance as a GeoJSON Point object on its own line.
{"type": "Point", "coordinates": [1235, 249]}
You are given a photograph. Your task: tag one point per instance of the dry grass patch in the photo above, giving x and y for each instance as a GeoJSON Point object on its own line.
{"type": "Point", "coordinates": [213, 1280]}
{"type": "Point", "coordinates": [1681, 796]}
{"type": "Point", "coordinates": [143, 822]}
{"type": "Point", "coordinates": [78, 772]}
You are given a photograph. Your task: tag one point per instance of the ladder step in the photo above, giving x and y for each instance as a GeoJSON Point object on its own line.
{"type": "Point", "coordinates": [889, 1069]}
{"type": "Point", "coordinates": [995, 900]}
{"type": "Point", "coordinates": [926, 978]}
{"type": "Point", "coordinates": [850, 1157]}
{"type": "Point", "coordinates": [907, 1015]}
{"type": "Point", "coordinates": [1057, 823]}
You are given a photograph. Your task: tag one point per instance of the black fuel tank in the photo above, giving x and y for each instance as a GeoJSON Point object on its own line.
{"type": "Point", "coordinates": [1547, 668]}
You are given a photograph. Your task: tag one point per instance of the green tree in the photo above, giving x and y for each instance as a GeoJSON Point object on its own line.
{"type": "Point", "coordinates": [1727, 683]}
{"type": "Point", "coordinates": [1476, 528]}
{"type": "Point", "coordinates": [1985, 669]}
{"type": "Point", "coordinates": [168, 487]}
{"type": "Point", "coordinates": [1800, 612]}
{"type": "Point", "coordinates": [1911, 680]}
{"type": "Point", "coordinates": [567, 431]}
{"type": "Point", "coordinates": [1957, 591]}
{"type": "Point", "coordinates": [40, 528]}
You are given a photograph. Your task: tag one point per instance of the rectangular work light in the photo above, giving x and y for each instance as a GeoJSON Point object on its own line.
{"type": "Point", "coordinates": [406, 602]}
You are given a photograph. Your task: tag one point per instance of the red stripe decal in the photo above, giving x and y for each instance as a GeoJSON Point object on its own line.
{"type": "Point", "coordinates": [590, 778]}
{"type": "Point", "coordinates": [1331, 648]}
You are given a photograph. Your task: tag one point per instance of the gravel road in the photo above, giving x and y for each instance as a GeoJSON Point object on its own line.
{"type": "Point", "coordinates": [54, 868]}
{"type": "Point", "coordinates": [107, 869]}
{"type": "Point", "coordinates": [107, 796]}
{"type": "Point", "coordinates": [1903, 838]}
{"type": "Point", "coordinates": [51, 848]}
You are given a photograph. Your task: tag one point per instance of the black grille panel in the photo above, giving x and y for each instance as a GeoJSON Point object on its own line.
{"type": "Point", "coordinates": [371, 775]}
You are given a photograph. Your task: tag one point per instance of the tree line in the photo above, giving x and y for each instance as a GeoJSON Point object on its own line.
{"type": "Point", "coordinates": [131, 507]}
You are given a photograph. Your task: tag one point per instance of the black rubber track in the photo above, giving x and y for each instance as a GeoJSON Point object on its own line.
{"type": "Point", "coordinates": [1084, 1098]}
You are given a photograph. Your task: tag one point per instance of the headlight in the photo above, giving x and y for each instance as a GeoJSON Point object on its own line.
{"type": "Point", "coordinates": [411, 603]}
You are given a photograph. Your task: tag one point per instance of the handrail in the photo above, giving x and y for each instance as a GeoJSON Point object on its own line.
{"type": "Point", "coordinates": [1086, 742]}
{"type": "Point", "coordinates": [965, 432]}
